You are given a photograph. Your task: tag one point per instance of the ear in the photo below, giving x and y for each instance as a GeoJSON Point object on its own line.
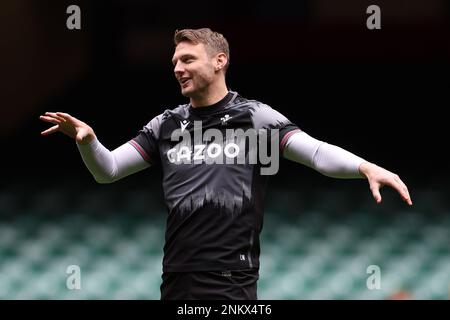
{"type": "Point", "coordinates": [221, 61]}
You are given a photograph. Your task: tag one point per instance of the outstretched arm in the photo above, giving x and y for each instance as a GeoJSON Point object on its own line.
{"type": "Point", "coordinates": [106, 166]}
{"type": "Point", "coordinates": [336, 162]}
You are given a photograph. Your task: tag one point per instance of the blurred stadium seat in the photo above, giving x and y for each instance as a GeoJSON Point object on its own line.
{"type": "Point", "coordinates": [309, 251]}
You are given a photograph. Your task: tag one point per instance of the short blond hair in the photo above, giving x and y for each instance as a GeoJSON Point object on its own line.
{"type": "Point", "coordinates": [213, 41]}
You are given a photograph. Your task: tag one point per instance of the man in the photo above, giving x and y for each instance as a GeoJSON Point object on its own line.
{"type": "Point", "coordinates": [215, 201]}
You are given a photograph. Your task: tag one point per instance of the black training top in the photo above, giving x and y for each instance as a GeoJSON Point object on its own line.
{"type": "Point", "coordinates": [215, 209]}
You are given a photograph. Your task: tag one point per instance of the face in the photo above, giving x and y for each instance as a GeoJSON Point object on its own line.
{"type": "Point", "coordinates": [194, 68]}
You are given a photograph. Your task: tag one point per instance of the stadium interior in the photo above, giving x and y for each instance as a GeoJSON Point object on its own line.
{"type": "Point", "coordinates": [381, 94]}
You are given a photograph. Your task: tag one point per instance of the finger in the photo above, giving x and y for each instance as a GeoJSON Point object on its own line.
{"type": "Point", "coordinates": [50, 130]}
{"type": "Point", "coordinates": [65, 116]}
{"type": "Point", "coordinates": [397, 186]}
{"type": "Point", "coordinates": [50, 119]}
{"type": "Point", "coordinates": [376, 193]}
{"type": "Point", "coordinates": [401, 188]}
{"type": "Point", "coordinates": [408, 196]}
{"type": "Point", "coordinates": [405, 190]}
{"type": "Point", "coordinates": [54, 115]}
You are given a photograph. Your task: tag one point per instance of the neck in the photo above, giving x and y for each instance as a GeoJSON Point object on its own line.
{"type": "Point", "coordinates": [210, 96]}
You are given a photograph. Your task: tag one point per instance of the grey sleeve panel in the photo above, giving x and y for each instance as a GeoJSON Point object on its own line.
{"type": "Point", "coordinates": [147, 140]}
{"type": "Point", "coordinates": [154, 126]}
{"type": "Point", "coordinates": [264, 117]}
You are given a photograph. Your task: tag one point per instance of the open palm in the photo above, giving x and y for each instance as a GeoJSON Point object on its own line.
{"type": "Point", "coordinates": [68, 125]}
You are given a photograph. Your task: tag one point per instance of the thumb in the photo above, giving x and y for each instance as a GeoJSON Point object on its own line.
{"type": "Point", "coordinates": [375, 188]}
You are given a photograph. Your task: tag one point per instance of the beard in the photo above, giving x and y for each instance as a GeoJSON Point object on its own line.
{"type": "Point", "coordinates": [195, 87]}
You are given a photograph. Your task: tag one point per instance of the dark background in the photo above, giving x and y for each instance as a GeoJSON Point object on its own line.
{"type": "Point", "coordinates": [381, 94]}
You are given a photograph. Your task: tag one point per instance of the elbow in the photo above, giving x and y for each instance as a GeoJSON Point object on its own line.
{"type": "Point", "coordinates": [104, 179]}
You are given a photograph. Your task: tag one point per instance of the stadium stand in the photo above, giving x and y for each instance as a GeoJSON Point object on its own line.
{"type": "Point", "coordinates": [311, 249]}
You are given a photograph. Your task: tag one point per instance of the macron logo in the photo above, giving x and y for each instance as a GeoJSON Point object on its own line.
{"type": "Point", "coordinates": [225, 119]}
{"type": "Point", "coordinates": [184, 124]}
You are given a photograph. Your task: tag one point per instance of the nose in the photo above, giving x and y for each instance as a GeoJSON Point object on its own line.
{"type": "Point", "coordinates": [178, 69]}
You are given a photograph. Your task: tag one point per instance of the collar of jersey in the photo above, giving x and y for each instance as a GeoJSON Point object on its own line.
{"type": "Point", "coordinates": [214, 107]}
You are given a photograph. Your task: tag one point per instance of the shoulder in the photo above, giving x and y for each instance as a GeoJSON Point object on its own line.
{"type": "Point", "coordinates": [262, 115]}
{"type": "Point", "coordinates": [254, 106]}
{"type": "Point", "coordinates": [180, 110]}
{"type": "Point", "coordinates": [265, 117]}
{"type": "Point", "coordinates": [155, 124]}
{"type": "Point", "coordinates": [244, 104]}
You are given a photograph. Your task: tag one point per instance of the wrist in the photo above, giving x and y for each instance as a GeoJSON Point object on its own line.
{"type": "Point", "coordinates": [364, 168]}
{"type": "Point", "coordinates": [87, 139]}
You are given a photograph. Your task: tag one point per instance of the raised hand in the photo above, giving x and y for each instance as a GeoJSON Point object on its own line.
{"type": "Point", "coordinates": [68, 125]}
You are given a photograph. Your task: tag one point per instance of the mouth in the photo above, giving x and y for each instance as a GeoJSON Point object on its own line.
{"type": "Point", "coordinates": [184, 81]}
